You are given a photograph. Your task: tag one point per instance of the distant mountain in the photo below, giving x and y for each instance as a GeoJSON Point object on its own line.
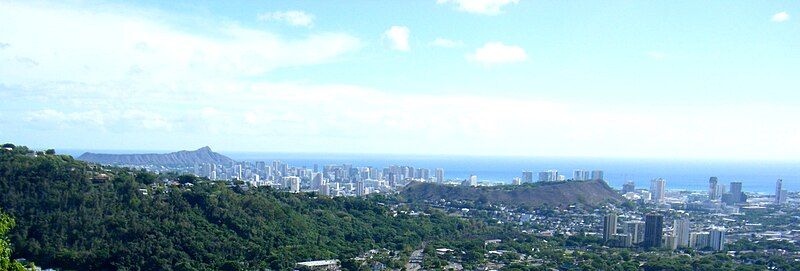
{"type": "Point", "coordinates": [587, 193]}
{"type": "Point", "coordinates": [181, 158]}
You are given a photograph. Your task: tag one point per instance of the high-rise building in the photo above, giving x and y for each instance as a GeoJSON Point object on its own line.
{"type": "Point", "coordinates": [317, 181]}
{"type": "Point", "coordinates": [658, 189]}
{"type": "Point", "coordinates": [423, 173]}
{"type": "Point", "coordinates": [669, 242]}
{"type": "Point", "coordinates": [699, 240]}
{"type": "Point", "coordinates": [516, 181]}
{"type": "Point", "coordinates": [548, 176]}
{"type": "Point", "coordinates": [622, 240]}
{"type": "Point", "coordinates": [580, 175]}
{"type": "Point", "coordinates": [628, 187]}
{"type": "Point", "coordinates": [646, 195]}
{"type": "Point", "coordinates": [736, 195]}
{"type": "Point", "coordinates": [473, 180]}
{"type": "Point", "coordinates": [713, 189]}
{"type": "Point", "coordinates": [717, 238]}
{"type": "Point", "coordinates": [597, 175]}
{"type": "Point", "coordinates": [325, 190]}
{"type": "Point", "coordinates": [681, 230]}
{"type": "Point", "coordinates": [609, 226]}
{"type": "Point", "coordinates": [653, 230]}
{"type": "Point", "coordinates": [360, 189]}
{"type": "Point", "coordinates": [439, 175]}
{"type": "Point", "coordinates": [636, 230]}
{"type": "Point", "coordinates": [294, 184]}
{"type": "Point", "coordinates": [527, 177]}
{"type": "Point", "coordinates": [237, 172]}
{"type": "Point", "coordinates": [780, 194]}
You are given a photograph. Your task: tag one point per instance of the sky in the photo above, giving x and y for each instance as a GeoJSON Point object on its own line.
{"type": "Point", "coordinates": [651, 79]}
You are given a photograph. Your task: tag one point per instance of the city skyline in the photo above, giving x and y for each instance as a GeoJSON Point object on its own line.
{"type": "Point", "coordinates": [710, 81]}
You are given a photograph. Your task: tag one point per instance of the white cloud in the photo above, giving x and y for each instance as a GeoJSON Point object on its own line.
{"type": "Point", "coordinates": [498, 53]}
{"type": "Point", "coordinates": [292, 17]}
{"type": "Point", "coordinates": [95, 119]}
{"type": "Point", "coordinates": [780, 17]}
{"type": "Point", "coordinates": [126, 45]}
{"type": "Point", "coordinates": [446, 43]}
{"type": "Point", "coordinates": [346, 118]}
{"type": "Point", "coordinates": [656, 55]}
{"type": "Point", "coordinates": [398, 36]}
{"type": "Point", "coordinates": [485, 7]}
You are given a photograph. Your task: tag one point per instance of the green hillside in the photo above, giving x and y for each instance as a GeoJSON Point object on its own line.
{"type": "Point", "coordinates": [67, 217]}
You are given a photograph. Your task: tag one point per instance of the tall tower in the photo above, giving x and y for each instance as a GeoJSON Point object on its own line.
{"type": "Point", "coordinates": [629, 186]}
{"type": "Point", "coordinates": [597, 175]}
{"type": "Point", "coordinates": [713, 188]}
{"type": "Point", "coordinates": [780, 194]}
{"type": "Point", "coordinates": [580, 175]}
{"type": "Point", "coordinates": [439, 175]}
{"type": "Point", "coordinates": [658, 188]}
{"type": "Point", "coordinates": [736, 192]}
{"type": "Point", "coordinates": [609, 226]}
{"type": "Point", "coordinates": [681, 230]}
{"type": "Point", "coordinates": [717, 238]}
{"type": "Point", "coordinates": [360, 189]}
{"type": "Point", "coordinates": [527, 176]}
{"type": "Point", "coordinates": [636, 230]}
{"type": "Point", "coordinates": [653, 230]}
{"type": "Point", "coordinates": [317, 181]}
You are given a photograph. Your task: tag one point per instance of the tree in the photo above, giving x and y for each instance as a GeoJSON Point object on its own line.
{"type": "Point", "coordinates": [6, 223]}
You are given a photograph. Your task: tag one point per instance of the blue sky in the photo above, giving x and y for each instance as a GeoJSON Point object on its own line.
{"type": "Point", "coordinates": [664, 79]}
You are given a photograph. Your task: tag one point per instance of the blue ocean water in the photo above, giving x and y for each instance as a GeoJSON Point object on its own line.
{"type": "Point", "coordinates": [756, 176]}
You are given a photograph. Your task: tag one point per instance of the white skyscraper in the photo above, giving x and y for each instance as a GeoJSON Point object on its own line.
{"type": "Point", "coordinates": [580, 175]}
{"type": "Point", "coordinates": [609, 226]}
{"type": "Point", "coordinates": [439, 175]}
{"type": "Point", "coordinates": [699, 240]}
{"type": "Point", "coordinates": [527, 177]}
{"type": "Point", "coordinates": [681, 230]}
{"type": "Point", "coordinates": [636, 230]}
{"type": "Point", "coordinates": [597, 175]}
{"type": "Point", "coordinates": [294, 184]}
{"type": "Point", "coordinates": [237, 172]}
{"type": "Point", "coordinates": [780, 194]}
{"type": "Point", "coordinates": [658, 189]}
{"type": "Point", "coordinates": [717, 238]}
{"type": "Point", "coordinates": [713, 188]}
{"type": "Point", "coordinates": [473, 180]}
{"type": "Point", "coordinates": [548, 176]}
{"type": "Point", "coordinates": [360, 189]}
{"type": "Point", "coordinates": [325, 190]}
{"type": "Point", "coordinates": [317, 181]}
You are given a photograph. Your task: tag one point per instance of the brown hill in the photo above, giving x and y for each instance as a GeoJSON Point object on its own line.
{"type": "Point", "coordinates": [586, 193]}
{"type": "Point", "coordinates": [180, 158]}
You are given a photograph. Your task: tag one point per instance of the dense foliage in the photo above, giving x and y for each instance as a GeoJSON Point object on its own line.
{"type": "Point", "coordinates": [6, 263]}
{"type": "Point", "coordinates": [66, 219]}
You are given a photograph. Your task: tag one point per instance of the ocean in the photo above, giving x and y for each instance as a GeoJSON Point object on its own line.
{"type": "Point", "coordinates": [756, 176]}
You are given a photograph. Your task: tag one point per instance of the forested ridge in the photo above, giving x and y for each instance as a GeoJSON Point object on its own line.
{"type": "Point", "coordinates": [66, 219]}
